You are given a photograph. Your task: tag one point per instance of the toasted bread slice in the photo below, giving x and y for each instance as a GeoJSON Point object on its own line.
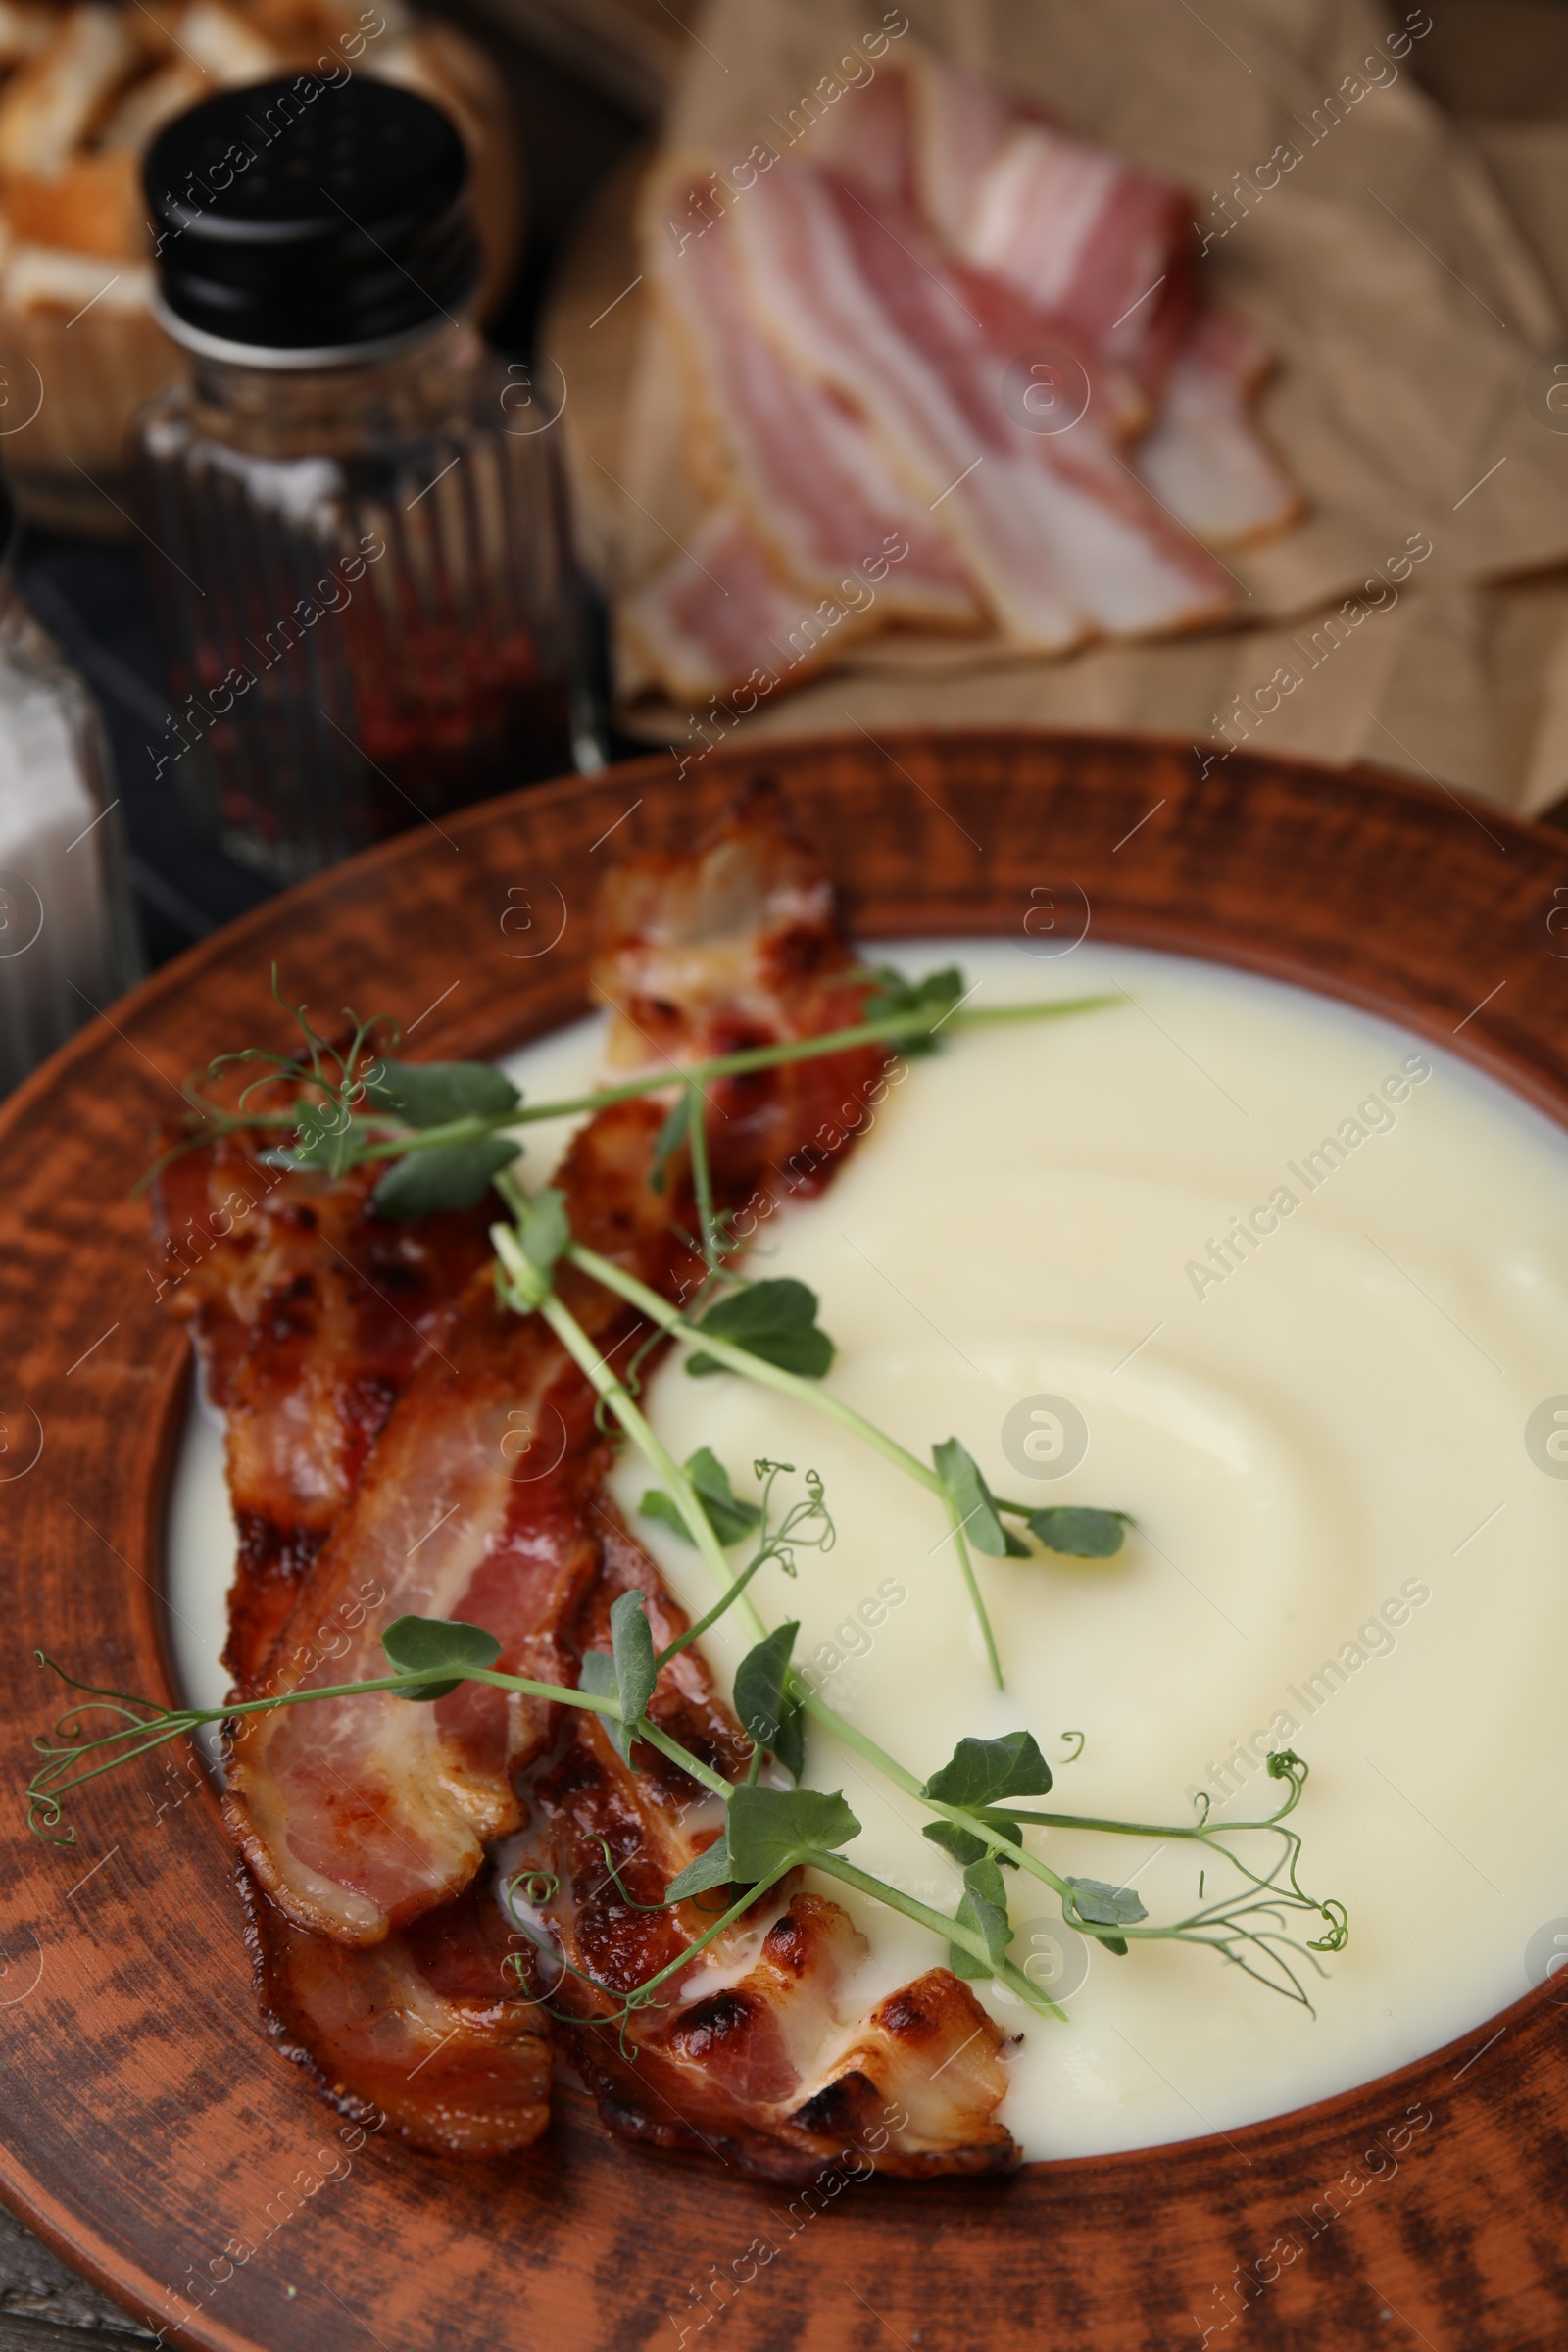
{"type": "Point", "coordinates": [52, 103]}
{"type": "Point", "coordinates": [91, 206]}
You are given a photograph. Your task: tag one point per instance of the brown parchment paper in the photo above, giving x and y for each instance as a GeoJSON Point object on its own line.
{"type": "Point", "coordinates": [1410, 277]}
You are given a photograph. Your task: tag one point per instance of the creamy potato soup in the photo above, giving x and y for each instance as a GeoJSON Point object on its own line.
{"type": "Point", "coordinates": [1289, 1286]}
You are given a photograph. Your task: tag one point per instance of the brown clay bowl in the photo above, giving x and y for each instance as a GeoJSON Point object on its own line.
{"type": "Point", "coordinates": [147, 2127]}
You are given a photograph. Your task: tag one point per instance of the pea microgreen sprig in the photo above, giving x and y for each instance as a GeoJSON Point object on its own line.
{"type": "Point", "coordinates": [444, 1132]}
{"type": "Point", "coordinates": [1251, 1928]}
{"type": "Point", "coordinates": [768, 1832]}
{"type": "Point", "coordinates": [437, 1128]}
{"type": "Point", "coordinates": [768, 1331]}
{"type": "Point", "coordinates": [354, 1103]}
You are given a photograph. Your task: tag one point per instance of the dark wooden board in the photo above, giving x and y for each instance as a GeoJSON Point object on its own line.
{"type": "Point", "coordinates": [146, 2125]}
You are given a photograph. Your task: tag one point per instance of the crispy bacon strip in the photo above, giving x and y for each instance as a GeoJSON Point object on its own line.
{"type": "Point", "coordinates": [736, 946]}
{"type": "Point", "coordinates": [751, 2053]}
{"type": "Point", "coordinates": [767, 2073]}
{"type": "Point", "coordinates": [431, 2028]}
{"type": "Point", "coordinates": [310, 1312]}
{"type": "Point", "coordinates": [699, 955]}
{"type": "Point", "coordinates": [358, 1816]}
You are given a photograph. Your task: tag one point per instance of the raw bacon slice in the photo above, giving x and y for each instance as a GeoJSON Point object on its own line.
{"type": "Point", "coordinates": [1103, 247]}
{"type": "Point", "coordinates": [872, 141]}
{"type": "Point", "coordinates": [1204, 457]}
{"type": "Point", "coordinates": [849, 318]}
{"type": "Point", "coordinates": [811, 481]}
{"type": "Point", "coordinates": [959, 124]}
{"type": "Point", "coordinates": [310, 1312]}
{"type": "Point", "coordinates": [431, 2028]}
{"type": "Point", "coordinates": [718, 618]}
{"type": "Point", "coordinates": [1058, 532]}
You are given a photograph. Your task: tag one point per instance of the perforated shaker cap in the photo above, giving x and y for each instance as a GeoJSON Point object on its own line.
{"type": "Point", "coordinates": [300, 222]}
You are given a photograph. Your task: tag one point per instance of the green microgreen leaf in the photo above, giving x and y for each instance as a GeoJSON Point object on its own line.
{"type": "Point", "coordinates": [770, 1827]}
{"type": "Point", "coordinates": [712, 1868]}
{"type": "Point", "coordinates": [982, 1772]}
{"type": "Point", "coordinates": [543, 1226]}
{"type": "Point", "coordinates": [632, 1644]}
{"type": "Point", "coordinates": [768, 1713]}
{"type": "Point", "coordinates": [596, 1674]}
{"type": "Point", "coordinates": [656, 1505]}
{"type": "Point", "coordinates": [935, 995]}
{"type": "Point", "coordinates": [443, 1646]}
{"type": "Point", "coordinates": [984, 1906]}
{"type": "Point", "coordinates": [626, 1672]}
{"type": "Point", "coordinates": [1079, 1534]}
{"type": "Point", "coordinates": [1106, 1905]}
{"type": "Point", "coordinates": [962, 1845]}
{"type": "Point", "coordinates": [447, 1176]}
{"type": "Point", "coordinates": [974, 1503]}
{"type": "Point", "coordinates": [430, 1093]}
{"type": "Point", "coordinates": [729, 1518]}
{"type": "Point", "coordinates": [670, 1140]}
{"type": "Point", "coordinates": [775, 1320]}
{"type": "Point", "coordinates": [318, 1139]}
{"type": "Point", "coordinates": [527, 1250]}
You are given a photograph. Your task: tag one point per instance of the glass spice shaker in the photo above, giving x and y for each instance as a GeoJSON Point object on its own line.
{"type": "Point", "coordinates": [364, 586]}
{"type": "Point", "coordinates": [68, 932]}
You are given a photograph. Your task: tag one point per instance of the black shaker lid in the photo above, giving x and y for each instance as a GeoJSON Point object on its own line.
{"type": "Point", "coordinates": [300, 220]}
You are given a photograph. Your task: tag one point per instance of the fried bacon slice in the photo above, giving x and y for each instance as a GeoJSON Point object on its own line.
{"type": "Point", "coordinates": [749, 2053]}
{"type": "Point", "coordinates": [767, 2073]}
{"type": "Point", "coordinates": [311, 1313]}
{"type": "Point", "coordinates": [358, 1816]}
{"type": "Point", "coordinates": [430, 2028]}
{"type": "Point", "coordinates": [382, 1951]}
{"type": "Point", "coordinates": [739, 945]}
{"type": "Point", "coordinates": [478, 1503]}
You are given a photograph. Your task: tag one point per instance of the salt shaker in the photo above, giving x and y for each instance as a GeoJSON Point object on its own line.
{"type": "Point", "coordinates": [361, 574]}
{"type": "Point", "coordinates": [67, 934]}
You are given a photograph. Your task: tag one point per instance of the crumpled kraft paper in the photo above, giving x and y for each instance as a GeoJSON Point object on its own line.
{"type": "Point", "coordinates": [1401, 270]}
